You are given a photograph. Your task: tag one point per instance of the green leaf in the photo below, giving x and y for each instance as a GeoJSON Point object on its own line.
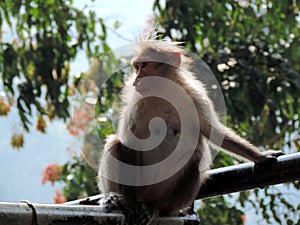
{"type": "Point", "coordinates": [34, 12]}
{"type": "Point", "coordinates": [117, 24]}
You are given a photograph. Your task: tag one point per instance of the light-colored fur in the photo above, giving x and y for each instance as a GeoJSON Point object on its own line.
{"type": "Point", "coordinates": [179, 191]}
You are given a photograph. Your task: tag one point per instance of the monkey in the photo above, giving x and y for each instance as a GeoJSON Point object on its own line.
{"type": "Point", "coordinates": [156, 63]}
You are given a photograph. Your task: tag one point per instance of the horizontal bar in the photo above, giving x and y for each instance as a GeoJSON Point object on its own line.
{"type": "Point", "coordinates": [51, 214]}
{"type": "Point", "coordinates": [222, 181]}
{"type": "Point", "coordinates": [241, 177]}
{"type": "Point", "coordinates": [248, 176]}
{"type": "Point", "coordinates": [54, 214]}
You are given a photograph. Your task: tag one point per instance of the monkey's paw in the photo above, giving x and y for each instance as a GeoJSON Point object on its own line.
{"type": "Point", "coordinates": [270, 156]}
{"type": "Point", "coordinates": [135, 214]}
{"type": "Point", "coordinates": [112, 201]}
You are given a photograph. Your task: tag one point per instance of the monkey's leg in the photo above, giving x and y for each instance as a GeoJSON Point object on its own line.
{"type": "Point", "coordinates": [136, 213]}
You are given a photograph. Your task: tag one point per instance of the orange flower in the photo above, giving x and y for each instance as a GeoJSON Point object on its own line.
{"type": "Point", "coordinates": [41, 124]}
{"type": "Point", "coordinates": [244, 218]}
{"type": "Point", "coordinates": [73, 131]}
{"type": "Point", "coordinates": [4, 108]}
{"type": "Point", "coordinates": [71, 90]}
{"type": "Point", "coordinates": [81, 119]}
{"type": "Point", "coordinates": [51, 173]}
{"type": "Point", "coordinates": [50, 111]}
{"type": "Point", "coordinates": [17, 141]}
{"type": "Point", "coordinates": [59, 197]}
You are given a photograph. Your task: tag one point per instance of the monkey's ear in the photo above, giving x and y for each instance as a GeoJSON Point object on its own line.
{"type": "Point", "coordinates": [176, 59]}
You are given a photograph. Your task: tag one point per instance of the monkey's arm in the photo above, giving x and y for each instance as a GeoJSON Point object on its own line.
{"type": "Point", "coordinates": [219, 134]}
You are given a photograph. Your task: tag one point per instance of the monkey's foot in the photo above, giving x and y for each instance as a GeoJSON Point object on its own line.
{"type": "Point", "coordinates": [112, 201]}
{"type": "Point", "coordinates": [138, 214]}
{"type": "Point", "coordinates": [135, 213]}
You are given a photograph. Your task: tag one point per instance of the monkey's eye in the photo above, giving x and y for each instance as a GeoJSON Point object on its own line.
{"type": "Point", "coordinates": [144, 64]}
{"type": "Point", "coordinates": [137, 66]}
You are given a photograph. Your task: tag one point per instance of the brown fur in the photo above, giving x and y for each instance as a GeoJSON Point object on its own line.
{"type": "Point", "coordinates": [178, 191]}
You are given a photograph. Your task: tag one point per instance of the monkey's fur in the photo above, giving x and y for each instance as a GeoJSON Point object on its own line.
{"type": "Point", "coordinates": [168, 60]}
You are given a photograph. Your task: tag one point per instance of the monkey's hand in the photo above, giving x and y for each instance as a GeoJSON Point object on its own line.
{"type": "Point", "coordinates": [269, 156]}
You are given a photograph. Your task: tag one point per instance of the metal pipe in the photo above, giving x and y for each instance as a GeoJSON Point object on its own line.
{"type": "Point", "coordinates": [241, 177]}
{"type": "Point", "coordinates": [222, 181]}
{"type": "Point", "coordinates": [54, 214]}
{"type": "Point", "coordinates": [249, 176]}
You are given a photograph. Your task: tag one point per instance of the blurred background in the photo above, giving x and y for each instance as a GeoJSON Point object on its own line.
{"type": "Point", "coordinates": [48, 47]}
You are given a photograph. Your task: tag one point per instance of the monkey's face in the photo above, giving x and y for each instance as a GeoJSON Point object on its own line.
{"type": "Point", "coordinates": [146, 69]}
{"type": "Point", "coordinates": [154, 63]}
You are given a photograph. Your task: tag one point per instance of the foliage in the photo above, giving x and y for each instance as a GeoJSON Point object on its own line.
{"type": "Point", "coordinates": [39, 39]}
{"type": "Point", "coordinates": [253, 53]}
{"type": "Point", "coordinates": [222, 213]}
{"type": "Point", "coordinates": [270, 206]}
{"type": "Point", "coordinates": [35, 62]}
{"type": "Point", "coordinates": [253, 48]}
{"type": "Point", "coordinates": [79, 179]}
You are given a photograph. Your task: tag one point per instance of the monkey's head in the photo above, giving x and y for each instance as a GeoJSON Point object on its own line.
{"type": "Point", "coordinates": [156, 58]}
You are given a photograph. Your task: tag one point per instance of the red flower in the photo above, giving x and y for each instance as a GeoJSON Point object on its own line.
{"type": "Point", "coordinates": [244, 218]}
{"type": "Point", "coordinates": [51, 173]}
{"type": "Point", "coordinates": [59, 197]}
{"type": "Point", "coordinates": [81, 119]}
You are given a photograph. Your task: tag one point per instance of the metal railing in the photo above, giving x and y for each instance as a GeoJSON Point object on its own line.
{"type": "Point", "coordinates": [222, 181]}
{"type": "Point", "coordinates": [248, 176]}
